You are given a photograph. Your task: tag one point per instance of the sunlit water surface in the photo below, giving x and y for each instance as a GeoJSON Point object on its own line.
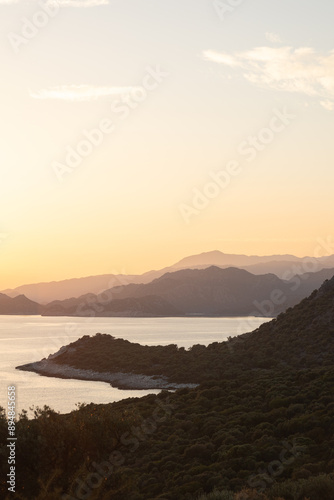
{"type": "Point", "coordinates": [24, 339]}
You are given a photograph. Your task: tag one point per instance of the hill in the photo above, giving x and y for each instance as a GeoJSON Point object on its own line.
{"type": "Point", "coordinates": [204, 292]}
{"type": "Point", "coordinates": [207, 292]}
{"type": "Point", "coordinates": [287, 341]}
{"type": "Point", "coordinates": [65, 289]}
{"type": "Point", "coordinates": [217, 258]}
{"type": "Point", "coordinates": [286, 269]}
{"type": "Point", "coordinates": [19, 305]}
{"type": "Point", "coordinates": [280, 265]}
{"type": "Point", "coordinates": [146, 306]}
{"type": "Point", "coordinates": [211, 291]}
{"type": "Point", "coordinates": [259, 427]}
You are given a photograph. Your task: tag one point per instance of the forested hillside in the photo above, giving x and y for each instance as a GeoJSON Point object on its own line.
{"type": "Point", "coordinates": [260, 425]}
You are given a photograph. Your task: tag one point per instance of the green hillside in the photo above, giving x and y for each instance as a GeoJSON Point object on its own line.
{"type": "Point", "coordinates": [259, 427]}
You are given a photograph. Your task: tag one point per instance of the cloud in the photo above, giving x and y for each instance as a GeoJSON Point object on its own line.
{"type": "Point", "coordinates": [273, 38]}
{"type": "Point", "coordinates": [327, 105]}
{"type": "Point", "coordinates": [220, 58]}
{"type": "Point", "coordinates": [65, 3]}
{"type": "Point", "coordinates": [302, 70]}
{"type": "Point", "coordinates": [80, 92]}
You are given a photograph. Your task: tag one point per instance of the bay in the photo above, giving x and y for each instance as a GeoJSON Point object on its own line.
{"type": "Point", "coordinates": [24, 339]}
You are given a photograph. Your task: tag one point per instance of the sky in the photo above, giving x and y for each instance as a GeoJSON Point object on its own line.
{"type": "Point", "coordinates": [137, 132]}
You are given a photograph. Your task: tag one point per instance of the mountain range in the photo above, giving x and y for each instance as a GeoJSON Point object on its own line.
{"type": "Point", "coordinates": [18, 305]}
{"type": "Point", "coordinates": [255, 420]}
{"type": "Point", "coordinates": [192, 287]}
{"type": "Point", "coordinates": [283, 266]}
{"type": "Point", "coordinates": [202, 292]}
{"type": "Point", "coordinates": [300, 338]}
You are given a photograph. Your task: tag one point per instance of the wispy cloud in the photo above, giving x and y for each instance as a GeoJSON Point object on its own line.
{"type": "Point", "coordinates": [221, 58]}
{"type": "Point", "coordinates": [80, 92]}
{"type": "Point", "coordinates": [302, 70]}
{"type": "Point", "coordinates": [327, 105]}
{"type": "Point", "coordinates": [273, 38]}
{"type": "Point", "coordinates": [64, 3]}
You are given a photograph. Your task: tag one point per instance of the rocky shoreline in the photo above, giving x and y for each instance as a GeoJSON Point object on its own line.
{"type": "Point", "coordinates": [119, 380]}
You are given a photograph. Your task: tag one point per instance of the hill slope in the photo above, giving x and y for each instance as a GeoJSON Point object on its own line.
{"type": "Point", "coordinates": [90, 304]}
{"type": "Point", "coordinates": [65, 289]}
{"type": "Point", "coordinates": [217, 258]}
{"type": "Point", "coordinates": [207, 292]}
{"type": "Point", "coordinates": [44, 293]}
{"type": "Point", "coordinates": [259, 427]}
{"type": "Point", "coordinates": [301, 337]}
{"type": "Point", "coordinates": [18, 305]}
{"type": "Point", "coordinates": [211, 291]}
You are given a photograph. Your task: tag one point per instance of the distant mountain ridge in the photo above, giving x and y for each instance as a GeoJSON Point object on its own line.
{"type": "Point", "coordinates": [19, 305]}
{"type": "Point", "coordinates": [301, 338]}
{"type": "Point", "coordinates": [209, 291]}
{"type": "Point", "coordinates": [217, 258]}
{"type": "Point", "coordinates": [90, 304]}
{"type": "Point", "coordinates": [262, 395]}
{"type": "Point", "coordinates": [283, 266]}
{"type": "Point", "coordinates": [65, 289]}
{"type": "Point", "coordinates": [206, 292]}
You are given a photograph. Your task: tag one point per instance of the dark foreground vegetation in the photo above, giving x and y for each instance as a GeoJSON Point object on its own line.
{"type": "Point", "coordinates": [259, 427]}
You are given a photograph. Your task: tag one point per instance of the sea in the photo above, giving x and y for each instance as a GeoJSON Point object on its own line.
{"type": "Point", "coordinates": [24, 339]}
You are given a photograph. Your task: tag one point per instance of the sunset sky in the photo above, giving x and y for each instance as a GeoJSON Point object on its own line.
{"type": "Point", "coordinates": [185, 92]}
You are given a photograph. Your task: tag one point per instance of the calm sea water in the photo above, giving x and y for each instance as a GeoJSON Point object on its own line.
{"type": "Point", "coordinates": [24, 339]}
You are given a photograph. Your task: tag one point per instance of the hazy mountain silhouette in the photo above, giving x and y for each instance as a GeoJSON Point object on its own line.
{"type": "Point", "coordinates": [260, 395]}
{"type": "Point", "coordinates": [217, 258]}
{"type": "Point", "coordinates": [61, 290]}
{"type": "Point", "coordinates": [300, 338]}
{"type": "Point", "coordinates": [90, 304]}
{"type": "Point", "coordinates": [284, 269]}
{"type": "Point", "coordinates": [18, 305]}
{"type": "Point", "coordinates": [283, 266]}
{"type": "Point", "coordinates": [211, 291]}
{"type": "Point", "coordinates": [308, 282]}
{"type": "Point", "coordinates": [230, 291]}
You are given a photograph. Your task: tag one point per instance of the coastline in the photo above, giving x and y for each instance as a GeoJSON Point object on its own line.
{"type": "Point", "coordinates": [118, 380]}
